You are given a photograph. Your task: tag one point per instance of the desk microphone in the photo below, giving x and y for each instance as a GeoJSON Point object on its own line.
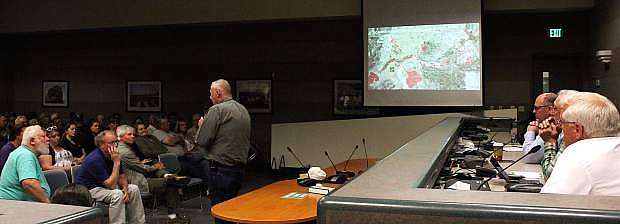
{"type": "Point", "coordinates": [532, 151]}
{"type": "Point", "coordinates": [365, 153]}
{"type": "Point", "coordinates": [339, 178]}
{"type": "Point", "coordinates": [298, 160]}
{"type": "Point", "coordinates": [349, 173]}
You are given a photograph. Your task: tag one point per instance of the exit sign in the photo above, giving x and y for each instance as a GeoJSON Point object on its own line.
{"type": "Point", "coordinates": [555, 33]}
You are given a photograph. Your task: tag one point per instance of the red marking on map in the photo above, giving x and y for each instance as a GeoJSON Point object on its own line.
{"type": "Point", "coordinates": [413, 77]}
{"type": "Point", "coordinates": [372, 77]}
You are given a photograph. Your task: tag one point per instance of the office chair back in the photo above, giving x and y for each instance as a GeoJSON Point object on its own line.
{"type": "Point", "coordinates": [74, 172]}
{"type": "Point", "coordinates": [56, 179]}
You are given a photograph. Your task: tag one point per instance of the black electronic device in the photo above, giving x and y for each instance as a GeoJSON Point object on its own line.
{"type": "Point", "coordinates": [484, 172]}
{"type": "Point", "coordinates": [501, 171]}
{"type": "Point", "coordinates": [307, 182]}
{"type": "Point", "coordinates": [472, 162]}
{"type": "Point", "coordinates": [338, 178]}
{"type": "Point", "coordinates": [524, 187]}
{"type": "Point", "coordinates": [348, 173]}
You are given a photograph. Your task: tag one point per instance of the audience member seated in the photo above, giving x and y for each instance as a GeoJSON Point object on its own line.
{"type": "Point", "coordinates": [88, 135]}
{"type": "Point", "coordinates": [193, 164]}
{"type": "Point", "coordinates": [15, 140]}
{"type": "Point", "coordinates": [58, 158]}
{"type": "Point", "coordinates": [69, 142]}
{"type": "Point", "coordinates": [73, 194]}
{"type": "Point", "coordinates": [589, 164]}
{"type": "Point", "coordinates": [158, 181]}
{"type": "Point", "coordinates": [148, 145]}
{"type": "Point", "coordinates": [4, 129]}
{"type": "Point", "coordinates": [21, 120]}
{"type": "Point", "coordinates": [543, 109]}
{"type": "Point", "coordinates": [102, 174]}
{"type": "Point", "coordinates": [22, 177]}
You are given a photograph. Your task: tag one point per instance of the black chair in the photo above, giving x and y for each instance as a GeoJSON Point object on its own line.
{"type": "Point", "coordinates": [56, 179]}
{"type": "Point", "coordinates": [173, 166]}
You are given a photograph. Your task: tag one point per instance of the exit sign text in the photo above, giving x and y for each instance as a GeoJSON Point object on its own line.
{"type": "Point", "coordinates": [555, 33]}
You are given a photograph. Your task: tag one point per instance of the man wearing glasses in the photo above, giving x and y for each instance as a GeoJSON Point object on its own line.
{"type": "Point", "coordinates": [554, 136]}
{"type": "Point", "coordinates": [543, 109]}
{"type": "Point", "coordinates": [589, 164]}
{"type": "Point", "coordinates": [102, 174]}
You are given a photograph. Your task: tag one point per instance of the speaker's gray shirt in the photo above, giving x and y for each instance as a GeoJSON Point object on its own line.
{"type": "Point", "coordinates": [225, 133]}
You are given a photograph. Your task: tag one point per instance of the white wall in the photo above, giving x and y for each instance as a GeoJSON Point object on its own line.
{"type": "Point", "coordinates": [309, 140]}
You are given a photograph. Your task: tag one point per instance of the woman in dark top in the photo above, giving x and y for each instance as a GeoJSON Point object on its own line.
{"type": "Point", "coordinates": [88, 135]}
{"type": "Point", "coordinates": [70, 143]}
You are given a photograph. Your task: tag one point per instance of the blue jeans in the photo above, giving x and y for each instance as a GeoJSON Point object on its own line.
{"type": "Point", "coordinates": [224, 183]}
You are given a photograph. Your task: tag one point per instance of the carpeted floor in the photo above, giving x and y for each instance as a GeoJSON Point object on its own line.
{"type": "Point", "coordinates": [191, 207]}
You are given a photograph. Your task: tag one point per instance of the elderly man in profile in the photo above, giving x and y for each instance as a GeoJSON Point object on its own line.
{"type": "Point", "coordinates": [554, 139]}
{"type": "Point", "coordinates": [102, 174]}
{"type": "Point", "coordinates": [22, 177]}
{"type": "Point", "coordinates": [543, 109]}
{"type": "Point", "coordinates": [589, 164]}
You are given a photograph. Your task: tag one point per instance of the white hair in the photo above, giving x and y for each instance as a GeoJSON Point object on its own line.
{"type": "Point", "coordinates": [30, 133]}
{"type": "Point", "coordinates": [597, 114]}
{"type": "Point", "coordinates": [122, 130]}
{"type": "Point", "coordinates": [564, 97]}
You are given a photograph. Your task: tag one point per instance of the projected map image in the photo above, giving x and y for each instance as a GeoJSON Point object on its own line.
{"type": "Point", "coordinates": [426, 57]}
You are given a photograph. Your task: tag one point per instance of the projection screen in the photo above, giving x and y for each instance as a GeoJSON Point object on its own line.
{"type": "Point", "coordinates": [422, 53]}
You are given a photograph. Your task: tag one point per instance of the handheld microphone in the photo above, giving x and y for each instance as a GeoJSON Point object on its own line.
{"type": "Point", "coordinates": [365, 153]}
{"type": "Point", "coordinates": [532, 151]}
{"type": "Point", "coordinates": [349, 173]}
{"type": "Point", "coordinates": [339, 178]}
{"type": "Point", "coordinates": [293, 153]}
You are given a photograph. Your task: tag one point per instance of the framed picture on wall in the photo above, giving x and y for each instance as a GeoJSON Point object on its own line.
{"type": "Point", "coordinates": [144, 96]}
{"type": "Point", "coordinates": [55, 93]}
{"type": "Point", "coordinates": [348, 99]}
{"type": "Point", "coordinates": [255, 95]}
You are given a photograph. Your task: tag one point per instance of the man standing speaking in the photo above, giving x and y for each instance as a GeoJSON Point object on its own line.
{"type": "Point", "coordinates": [224, 133]}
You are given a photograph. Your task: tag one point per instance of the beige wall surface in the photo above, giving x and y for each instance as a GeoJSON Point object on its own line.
{"type": "Point", "coordinates": [309, 140]}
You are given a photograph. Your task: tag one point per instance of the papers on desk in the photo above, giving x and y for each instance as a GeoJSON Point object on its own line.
{"type": "Point", "coordinates": [513, 148]}
{"type": "Point", "coordinates": [295, 195]}
{"type": "Point", "coordinates": [527, 175]}
{"type": "Point", "coordinates": [460, 186]}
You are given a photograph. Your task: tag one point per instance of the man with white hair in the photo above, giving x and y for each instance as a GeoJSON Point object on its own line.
{"type": "Point", "coordinates": [22, 177]}
{"type": "Point", "coordinates": [589, 164]}
{"type": "Point", "coordinates": [224, 133]}
{"type": "Point", "coordinates": [554, 138]}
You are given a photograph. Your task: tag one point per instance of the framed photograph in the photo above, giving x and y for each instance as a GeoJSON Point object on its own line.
{"type": "Point", "coordinates": [144, 96]}
{"type": "Point", "coordinates": [55, 93]}
{"type": "Point", "coordinates": [348, 99]}
{"type": "Point", "coordinates": [255, 95]}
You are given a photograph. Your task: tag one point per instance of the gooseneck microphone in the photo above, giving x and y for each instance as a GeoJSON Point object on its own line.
{"type": "Point", "coordinates": [330, 160]}
{"type": "Point", "coordinates": [532, 151]}
{"type": "Point", "coordinates": [349, 173]}
{"type": "Point", "coordinates": [297, 158]}
{"type": "Point", "coordinates": [365, 153]}
{"type": "Point", "coordinates": [339, 177]}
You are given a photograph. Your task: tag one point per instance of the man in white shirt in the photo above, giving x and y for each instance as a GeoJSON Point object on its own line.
{"type": "Point", "coordinates": [589, 164]}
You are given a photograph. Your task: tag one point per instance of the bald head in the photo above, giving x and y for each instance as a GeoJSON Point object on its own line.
{"type": "Point", "coordinates": [543, 106]}
{"type": "Point", "coordinates": [220, 90]}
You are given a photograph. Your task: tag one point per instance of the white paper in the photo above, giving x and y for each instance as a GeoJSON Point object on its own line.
{"type": "Point", "coordinates": [460, 186]}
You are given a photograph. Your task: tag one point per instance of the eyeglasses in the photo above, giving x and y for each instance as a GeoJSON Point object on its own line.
{"type": "Point", "coordinates": [51, 128]}
{"type": "Point", "coordinates": [568, 122]}
{"type": "Point", "coordinates": [539, 107]}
